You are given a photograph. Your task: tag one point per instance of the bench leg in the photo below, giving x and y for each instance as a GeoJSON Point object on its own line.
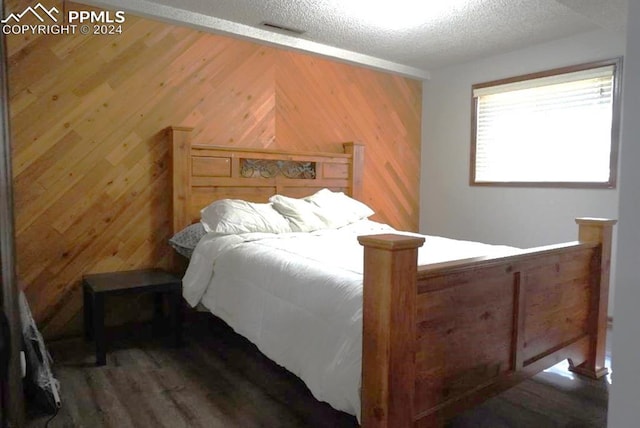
{"type": "Point", "coordinates": [87, 297]}
{"type": "Point", "coordinates": [175, 301]}
{"type": "Point", "coordinates": [98, 329]}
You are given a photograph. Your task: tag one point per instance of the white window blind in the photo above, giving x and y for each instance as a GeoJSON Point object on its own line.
{"type": "Point", "coordinates": [551, 129]}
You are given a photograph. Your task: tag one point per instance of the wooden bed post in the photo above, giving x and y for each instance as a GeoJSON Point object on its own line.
{"type": "Point", "coordinates": [597, 230]}
{"type": "Point", "coordinates": [181, 173]}
{"type": "Point", "coordinates": [356, 150]}
{"type": "Point", "coordinates": [389, 330]}
{"type": "Point", "coordinates": [180, 151]}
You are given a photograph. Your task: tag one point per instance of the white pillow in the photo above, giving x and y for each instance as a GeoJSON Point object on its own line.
{"type": "Point", "coordinates": [339, 208]}
{"type": "Point", "coordinates": [231, 216]}
{"type": "Point", "coordinates": [303, 216]}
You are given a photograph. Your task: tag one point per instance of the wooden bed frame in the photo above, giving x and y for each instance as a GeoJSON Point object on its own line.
{"type": "Point", "coordinates": [440, 338]}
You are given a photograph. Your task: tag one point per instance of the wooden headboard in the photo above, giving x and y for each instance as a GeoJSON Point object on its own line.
{"type": "Point", "coordinates": [202, 174]}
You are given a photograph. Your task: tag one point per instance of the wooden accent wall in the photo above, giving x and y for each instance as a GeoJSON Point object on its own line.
{"type": "Point", "coordinates": [90, 152]}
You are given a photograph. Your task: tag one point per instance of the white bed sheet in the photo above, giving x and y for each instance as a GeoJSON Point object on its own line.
{"type": "Point", "coordinates": [298, 297]}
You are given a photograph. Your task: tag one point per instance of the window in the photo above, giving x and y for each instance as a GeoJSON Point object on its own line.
{"type": "Point", "coordinates": [557, 128]}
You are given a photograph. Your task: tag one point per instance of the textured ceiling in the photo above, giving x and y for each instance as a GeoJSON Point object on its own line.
{"type": "Point", "coordinates": [419, 34]}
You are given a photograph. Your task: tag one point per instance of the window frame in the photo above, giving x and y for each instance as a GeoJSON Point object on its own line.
{"type": "Point", "coordinates": [615, 128]}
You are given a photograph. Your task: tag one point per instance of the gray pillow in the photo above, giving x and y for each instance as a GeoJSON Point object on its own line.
{"type": "Point", "coordinates": [186, 240]}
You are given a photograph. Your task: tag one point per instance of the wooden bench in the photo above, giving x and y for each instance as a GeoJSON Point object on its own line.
{"type": "Point", "coordinates": [97, 286]}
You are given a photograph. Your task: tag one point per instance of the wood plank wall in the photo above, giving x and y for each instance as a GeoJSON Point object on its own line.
{"type": "Point", "coordinates": [90, 156]}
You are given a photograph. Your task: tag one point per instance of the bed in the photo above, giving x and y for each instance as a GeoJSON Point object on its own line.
{"type": "Point", "coordinates": [436, 338]}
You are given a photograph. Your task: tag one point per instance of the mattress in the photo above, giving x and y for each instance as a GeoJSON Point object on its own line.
{"type": "Point", "coordinates": [298, 297]}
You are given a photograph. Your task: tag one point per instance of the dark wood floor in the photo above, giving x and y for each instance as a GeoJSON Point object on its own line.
{"type": "Point", "coordinates": [218, 379]}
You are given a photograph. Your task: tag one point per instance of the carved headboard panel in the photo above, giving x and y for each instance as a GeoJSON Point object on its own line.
{"type": "Point", "coordinates": [202, 174]}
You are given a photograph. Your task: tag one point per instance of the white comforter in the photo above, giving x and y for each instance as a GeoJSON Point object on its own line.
{"type": "Point", "coordinates": [298, 298]}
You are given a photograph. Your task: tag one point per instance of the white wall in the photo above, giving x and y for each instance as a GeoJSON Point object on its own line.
{"type": "Point", "coordinates": [625, 391]}
{"type": "Point", "coordinates": [516, 216]}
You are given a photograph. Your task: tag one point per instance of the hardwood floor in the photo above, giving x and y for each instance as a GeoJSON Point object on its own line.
{"type": "Point", "coordinates": [218, 379]}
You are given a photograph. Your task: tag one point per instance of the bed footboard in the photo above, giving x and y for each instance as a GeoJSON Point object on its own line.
{"type": "Point", "coordinates": [440, 338]}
